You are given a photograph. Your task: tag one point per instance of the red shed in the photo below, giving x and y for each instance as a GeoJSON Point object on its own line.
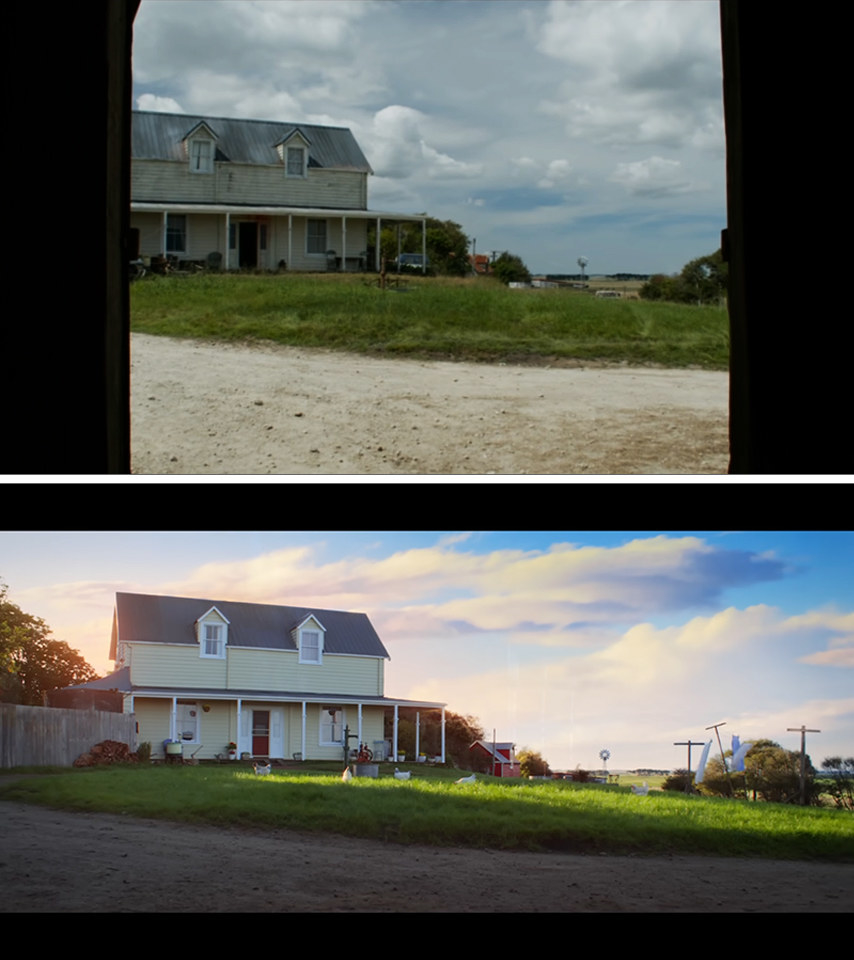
{"type": "Point", "coordinates": [502, 757]}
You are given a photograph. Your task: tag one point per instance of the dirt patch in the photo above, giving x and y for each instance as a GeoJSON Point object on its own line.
{"type": "Point", "coordinates": [200, 408]}
{"type": "Point", "coordinates": [79, 862]}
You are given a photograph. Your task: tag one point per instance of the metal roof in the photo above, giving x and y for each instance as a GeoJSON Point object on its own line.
{"type": "Point", "coordinates": [160, 136]}
{"type": "Point", "coordinates": [155, 619]}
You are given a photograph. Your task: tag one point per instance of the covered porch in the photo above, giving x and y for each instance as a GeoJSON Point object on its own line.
{"type": "Point", "coordinates": [271, 724]}
{"type": "Point", "coordinates": [263, 237]}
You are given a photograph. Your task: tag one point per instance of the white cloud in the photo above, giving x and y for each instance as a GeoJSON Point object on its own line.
{"type": "Point", "coordinates": [148, 101]}
{"type": "Point", "coordinates": [654, 176]}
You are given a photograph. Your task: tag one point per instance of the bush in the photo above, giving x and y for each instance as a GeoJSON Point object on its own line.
{"type": "Point", "coordinates": [143, 752]}
{"type": "Point", "coordinates": [838, 781]}
{"type": "Point", "coordinates": [681, 780]}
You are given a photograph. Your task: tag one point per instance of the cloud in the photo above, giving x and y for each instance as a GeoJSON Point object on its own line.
{"type": "Point", "coordinates": [148, 101]}
{"type": "Point", "coordinates": [397, 145]}
{"type": "Point", "coordinates": [654, 176]}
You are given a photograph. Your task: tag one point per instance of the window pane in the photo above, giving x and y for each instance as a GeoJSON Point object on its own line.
{"type": "Point", "coordinates": [316, 239]}
{"type": "Point", "coordinates": [176, 233]}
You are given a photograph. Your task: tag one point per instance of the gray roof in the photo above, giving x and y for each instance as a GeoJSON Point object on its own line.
{"type": "Point", "coordinates": [160, 136]}
{"type": "Point", "coordinates": [154, 619]}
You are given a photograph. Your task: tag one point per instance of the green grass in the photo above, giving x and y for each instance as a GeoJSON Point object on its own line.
{"type": "Point", "coordinates": [510, 814]}
{"type": "Point", "coordinates": [431, 318]}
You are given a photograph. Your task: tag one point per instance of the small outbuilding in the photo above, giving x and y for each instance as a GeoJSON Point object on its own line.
{"type": "Point", "coordinates": [501, 757]}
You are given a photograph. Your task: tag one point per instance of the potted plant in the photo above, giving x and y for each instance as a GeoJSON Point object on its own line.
{"type": "Point", "coordinates": [231, 747]}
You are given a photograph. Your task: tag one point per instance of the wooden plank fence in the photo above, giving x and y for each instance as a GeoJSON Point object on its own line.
{"type": "Point", "coordinates": [48, 736]}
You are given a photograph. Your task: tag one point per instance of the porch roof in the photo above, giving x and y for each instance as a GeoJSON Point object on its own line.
{"type": "Point", "coordinates": [279, 696]}
{"type": "Point", "coordinates": [149, 206]}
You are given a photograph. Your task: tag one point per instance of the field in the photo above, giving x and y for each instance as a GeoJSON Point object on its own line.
{"type": "Point", "coordinates": [431, 318]}
{"type": "Point", "coordinates": [220, 840]}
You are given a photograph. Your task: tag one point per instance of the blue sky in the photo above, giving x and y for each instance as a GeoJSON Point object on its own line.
{"type": "Point", "coordinates": [553, 130]}
{"type": "Point", "coordinates": [567, 642]}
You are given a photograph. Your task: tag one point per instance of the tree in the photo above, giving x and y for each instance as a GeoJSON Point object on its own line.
{"type": "Point", "coordinates": [447, 246]}
{"type": "Point", "coordinates": [532, 763]}
{"type": "Point", "coordinates": [460, 733]}
{"type": "Point", "coordinates": [31, 661]}
{"type": "Point", "coordinates": [509, 268]}
{"type": "Point", "coordinates": [770, 773]}
{"type": "Point", "coordinates": [681, 780]}
{"type": "Point", "coordinates": [703, 280]}
{"type": "Point", "coordinates": [838, 780]}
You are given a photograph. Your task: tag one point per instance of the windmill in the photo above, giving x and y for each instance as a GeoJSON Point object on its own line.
{"type": "Point", "coordinates": [582, 262]}
{"type": "Point", "coordinates": [604, 755]}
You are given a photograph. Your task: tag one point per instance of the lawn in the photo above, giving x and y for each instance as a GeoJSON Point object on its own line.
{"type": "Point", "coordinates": [474, 319]}
{"type": "Point", "coordinates": [430, 808]}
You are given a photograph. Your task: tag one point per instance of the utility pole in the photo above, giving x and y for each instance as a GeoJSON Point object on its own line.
{"type": "Point", "coordinates": [803, 731]}
{"type": "Point", "coordinates": [714, 727]}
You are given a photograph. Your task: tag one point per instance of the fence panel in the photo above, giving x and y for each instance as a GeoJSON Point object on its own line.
{"type": "Point", "coordinates": [48, 736]}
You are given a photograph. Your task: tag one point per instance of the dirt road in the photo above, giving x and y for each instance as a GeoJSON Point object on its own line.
{"type": "Point", "coordinates": [201, 408]}
{"type": "Point", "coordinates": [81, 862]}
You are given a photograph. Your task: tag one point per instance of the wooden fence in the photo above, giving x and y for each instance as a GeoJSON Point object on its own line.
{"type": "Point", "coordinates": [47, 736]}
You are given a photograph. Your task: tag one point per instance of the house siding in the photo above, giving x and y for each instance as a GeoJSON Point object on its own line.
{"type": "Point", "coordinates": [247, 669]}
{"type": "Point", "coordinates": [160, 181]}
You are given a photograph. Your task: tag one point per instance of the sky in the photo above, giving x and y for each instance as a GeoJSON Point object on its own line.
{"type": "Point", "coordinates": [551, 130]}
{"type": "Point", "coordinates": [565, 642]}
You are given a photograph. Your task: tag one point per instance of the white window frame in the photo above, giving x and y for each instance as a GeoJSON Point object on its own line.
{"type": "Point", "coordinates": [314, 241]}
{"type": "Point", "coordinates": [295, 169]}
{"type": "Point", "coordinates": [199, 163]}
{"type": "Point", "coordinates": [216, 641]}
{"type": "Point", "coordinates": [329, 725]}
{"type": "Point", "coordinates": [214, 620]}
{"type": "Point", "coordinates": [316, 660]}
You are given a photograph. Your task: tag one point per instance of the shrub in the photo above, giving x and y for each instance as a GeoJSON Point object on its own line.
{"type": "Point", "coordinates": [681, 780]}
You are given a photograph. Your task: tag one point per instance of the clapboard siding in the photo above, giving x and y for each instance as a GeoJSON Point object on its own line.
{"type": "Point", "coordinates": [280, 670]}
{"type": "Point", "coordinates": [47, 736]}
{"type": "Point", "coordinates": [164, 181]}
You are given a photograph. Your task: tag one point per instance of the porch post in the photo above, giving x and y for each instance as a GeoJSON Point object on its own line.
{"type": "Point", "coordinates": [377, 255]}
{"type": "Point", "coordinates": [443, 734]}
{"type": "Point", "coordinates": [240, 747]}
{"type": "Point", "coordinates": [343, 244]}
{"type": "Point", "coordinates": [165, 229]}
{"type": "Point", "coordinates": [394, 744]}
{"type": "Point", "coordinates": [302, 736]}
{"type": "Point", "coordinates": [359, 705]}
{"type": "Point", "coordinates": [417, 733]}
{"type": "Point", "coordinates": [173, 719]}
{"type": "Point", "coordinates": [423, 247]}
{"type": "Point", "coordinates": [227, 241]}
{"type": "Point", "coordinates": [290, 240]}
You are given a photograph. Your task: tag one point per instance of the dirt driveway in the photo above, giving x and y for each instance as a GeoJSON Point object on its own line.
{"type": "Point", "coordinates": [201, 408]}
{"type": "Point", "coordinates": [80, 862]}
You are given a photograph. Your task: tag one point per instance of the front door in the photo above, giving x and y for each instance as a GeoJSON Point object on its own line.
{"type": "Point", "coordinates": [247, 238]}
{"type": "Point", "coordinates": [260, 733]}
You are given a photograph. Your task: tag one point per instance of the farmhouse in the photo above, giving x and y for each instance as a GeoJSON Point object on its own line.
{"type": "Point", "coordinates": [279, 682]}
{"type": "Point", "coordinates": [251, 194]}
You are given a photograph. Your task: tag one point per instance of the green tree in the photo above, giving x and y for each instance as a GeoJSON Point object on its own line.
{"type": "Point", "coordinates": [681, 780]}
{"type": "Point", "coordinates": [838, 780]}
{"type": "Point", "coordinates": [702, 280]}
{"type": "Point", "coordinates": [532, 763]}
{"type": "Point", "coordinates": [771, 773]}
{"type": "Point", "coordinates": [509, 268]}
{"type": "Point", "coordinates": [447, 246]}
{"type": "Point", "coordinates": [31, 661]}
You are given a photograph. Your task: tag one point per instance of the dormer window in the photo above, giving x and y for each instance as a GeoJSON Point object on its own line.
{"type": "Point", "coordinates": [201, 148]}
{"type": "Point", "coordinates": [212, 635]}
{"type": "Point", "coordinates": [201, 156]}
{"type": "Point", "coordinates": [310, 636]}
{"type": "Point", "coordinates": [296, 162]}
{"type": "Point", "coordinates": [293, 151]}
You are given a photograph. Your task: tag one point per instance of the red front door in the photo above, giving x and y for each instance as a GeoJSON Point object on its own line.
{"type": "Point", "coordinates": [260, 733]}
